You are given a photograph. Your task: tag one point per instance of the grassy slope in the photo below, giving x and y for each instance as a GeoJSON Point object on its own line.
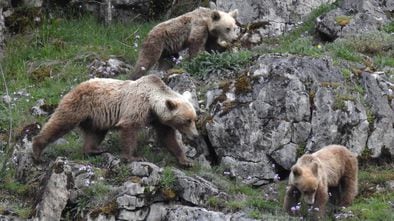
{"type": "Point", "coordinates": [47, 62]}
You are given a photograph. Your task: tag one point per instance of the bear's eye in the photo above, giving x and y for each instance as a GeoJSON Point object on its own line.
{"type": "Point", "coordinates": [189, 121]}
{"type": "Point", "coordinates": [228, 29]}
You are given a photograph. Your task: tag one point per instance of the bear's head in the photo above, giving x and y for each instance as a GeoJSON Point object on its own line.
{"type": "Point", "coordinates": [306, 179]}
{"type": "Point", "coordinates": [181, 115]}
{"type": "Point", "coordinates": [223, 25]}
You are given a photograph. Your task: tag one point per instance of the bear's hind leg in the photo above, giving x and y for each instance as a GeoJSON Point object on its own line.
{"type": "Point", "coordinates": [55, 128]}
{"type": "Point", "coordinates": [92, 141]}
{"type": "Point", "coordinates": [167, 135]}
{"type": "Point", "coordinates": [348, 190]}
{"type": "Point", "coordinates": [128, 137]}
{"type": "Point", "coordinates": [150, 53]}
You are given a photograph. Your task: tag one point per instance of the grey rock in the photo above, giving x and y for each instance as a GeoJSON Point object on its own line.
{"type": "Point", "coordinates": [286, 156]}
{"type": "Point", "coordinates": [36, 110]}
{"type": "Point", "coordinates": [150, 173]}
{"type": "Point", "coordinates": [251, 173]}
{"type": "Point", "coordinates": [364, 16]}
{"type": "Point", "coordinates": [378, 89]}
{"type": "Point", "coordinates": [195, 190]}
{"type": "Point", "coordinates": [133, 215]}
{"type": "Point", "coordinates": [295, 105]}
{"type": "Point", "coordinates": [109, 68]}
{"type": "Point", "coordinates": [281, 15]}
{"type": "Point", "coordinates": [56, 192]}
{"type": "Point", "coordinates": [160, 211]}
{"type": "Point", "coordinates": [6, 99]}
{"type": "Point", "coordinates": [132, 189]}
{"type": "Point", "coordinates": [10, 218]}
{"type": "Point", "coordinates": [130, 202]}
{"type": "Point", "coordinates": [101, 217]}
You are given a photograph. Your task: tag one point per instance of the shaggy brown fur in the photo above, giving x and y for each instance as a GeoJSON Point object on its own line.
{"type": "Point", "coordinates": [98, 105]}
{"type": "Point", "coordinates": [333, 166]}
{"type": "Point", "coordinates": [191, 31]}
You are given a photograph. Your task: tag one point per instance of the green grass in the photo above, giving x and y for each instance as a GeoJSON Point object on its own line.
{"type": "Point", "coordinates": [377, 207]}
{"type": "Point", "coordinates": [58, 53]}
{"type": "Point", "coordinates": [389, 28]}
{"type": "Point", "coordinates": [206, 63]}
{"type": "Point", "coordinates": [167, 178]}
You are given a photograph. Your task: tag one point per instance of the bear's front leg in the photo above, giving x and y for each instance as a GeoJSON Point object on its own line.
{"type": "Point", "coordinates": [198, 38]}
{"type": "Point", "coordinates": [292, 202]}
{"type": "Point", "coordinates": [167, 135]}
{"type": "Point", "coordinates": [128, 137]}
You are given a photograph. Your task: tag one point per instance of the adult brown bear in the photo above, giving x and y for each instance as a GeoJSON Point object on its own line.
{"type": "Point", "coordinates": [100, 104]}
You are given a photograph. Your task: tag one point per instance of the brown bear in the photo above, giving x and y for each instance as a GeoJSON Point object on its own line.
{"type": "Point", "coordinates": [188, 31]}
{"type": "Point", "coordinates": [333, 167]}
{"type": "Point", "coordinates": [100, 104]}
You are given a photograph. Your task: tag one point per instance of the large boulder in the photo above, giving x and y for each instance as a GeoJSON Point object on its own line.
{"type": "Point", "coordinates": [281, 15]}
{"type": "Point", "coordinates": [352, 17]}
{"type": "Point", "coordinates": [290, 105]}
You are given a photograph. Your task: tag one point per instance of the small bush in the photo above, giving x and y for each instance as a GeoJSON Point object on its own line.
{"type": "Point", "coordinates": [167, 178]}
{"type": "Point", "coordinates": [341, 50]}
{"type": "Point", "coordinates": [206, 63]}
{"type": "Point", "coordinates": [389, 28]}
{"type": "Point", "coordinates": [370, 43]}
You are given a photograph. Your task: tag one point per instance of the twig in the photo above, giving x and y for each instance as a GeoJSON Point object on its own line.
{"type": "Point", "coordinates": [10, 123]}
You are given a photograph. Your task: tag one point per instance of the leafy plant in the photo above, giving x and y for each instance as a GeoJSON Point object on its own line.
{"type": "Point", "coordinates": [167, 178]}
{"type": "Point", "coordinates": [206, 63]}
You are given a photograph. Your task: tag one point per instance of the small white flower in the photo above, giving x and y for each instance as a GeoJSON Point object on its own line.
{"type": "Point", "coordinates": [143, 68]}
{"type": "Point", "coordinates": [273, 165]}
{"type": "Point", "coordinates": [276, 177]}
{"type": "Point", "coordinates": [293, 209]}
{"type": "Point", "coordinates": [316, 208]}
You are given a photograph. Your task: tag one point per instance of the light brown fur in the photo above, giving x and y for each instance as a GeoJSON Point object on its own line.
{"type": "Point", "coordinates": [191, 31]}
{"type": "Point", "coordinates": [333, 166]}
{"type": "Point", "coordinates": [98, 105]}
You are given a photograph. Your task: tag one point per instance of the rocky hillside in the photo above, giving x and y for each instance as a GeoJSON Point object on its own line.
{"type": "Point", "coordinates": [303, 75]}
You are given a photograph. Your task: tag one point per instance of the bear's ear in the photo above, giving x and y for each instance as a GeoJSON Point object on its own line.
{"type": "Point", "coordinates": [234, 13]}
{"type": "Point", "coordinates": [296, 171]}
{"type": "Point", "coordinates": [215, 16]}
{"type": "Point", "coordinates": [171, 105]}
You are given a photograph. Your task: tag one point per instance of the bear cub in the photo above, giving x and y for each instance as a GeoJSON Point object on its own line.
{"type": "Point", "coordinates": [100, 104]}
{"type": "Point", "coordinates": [333, 167]}
{"type": "Point", "coordinates": [189, 31]}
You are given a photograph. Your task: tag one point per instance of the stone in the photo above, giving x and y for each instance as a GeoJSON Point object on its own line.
{"type": "Point", "coordinates": [378, 89]}
{"type": "Point", "coordinates": [282, 16]}
{"type": "Point", "coordinates": [352, 17]}
{"type": "Point", "coordinates": [109, 68]}
{"type": "Point", "coordinates": [294, 105]}
{"type": "Point", "coordinates": [129, 202]}
{"type": "Point", "coordinates": [133, 215]}
{"type": "Point", "coordinates": [160, 211]}
{"type": "Point", "coordinates": [132, 189]}
{"type": "Point", "coordinates": [55, 193]}
{"type": "Point", "coordinates": [195, 190]}
{"type": "Point", "coordinates": [286, 156]}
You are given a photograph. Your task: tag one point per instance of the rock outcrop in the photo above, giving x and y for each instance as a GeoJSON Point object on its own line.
{"type": "Point", "coordinates": [353, 17]}
{"type": "Point", "coordinates": [289, 105]}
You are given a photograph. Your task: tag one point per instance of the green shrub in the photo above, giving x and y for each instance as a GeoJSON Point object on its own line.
{"type": "Point", "coordinates": [370, 42]}
{"type": "Point", "coordinates": [167, 178]}
{"type": "Point", "coordinates": [206, 63]}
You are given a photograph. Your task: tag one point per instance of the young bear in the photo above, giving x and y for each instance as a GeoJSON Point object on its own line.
{"type": "Point", "coordinates": [98, 105]}
{"type": "Point", "coordinates": [333, 167]}
{"type": "Point", "coordinates": [190, 30]}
